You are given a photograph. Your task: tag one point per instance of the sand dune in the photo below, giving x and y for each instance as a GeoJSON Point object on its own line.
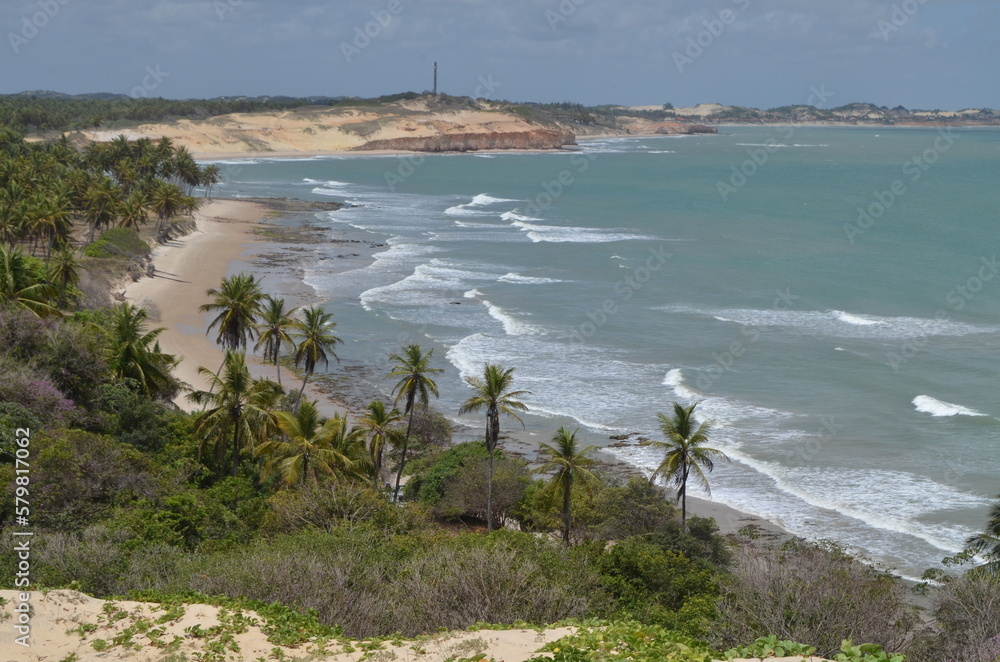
{"type": "Point", "coordinates": [66, 623]}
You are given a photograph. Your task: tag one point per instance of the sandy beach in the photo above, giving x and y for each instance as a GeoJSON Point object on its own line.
{"type": "Point", "coordinates": [185, 268]}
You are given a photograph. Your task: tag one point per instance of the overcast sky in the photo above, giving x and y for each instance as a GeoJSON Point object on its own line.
{"type": "Point", "coordinates": [764, 53]}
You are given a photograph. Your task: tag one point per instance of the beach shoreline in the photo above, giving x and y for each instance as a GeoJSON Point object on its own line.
{"type": "Point", "coordinates": [229, 239]}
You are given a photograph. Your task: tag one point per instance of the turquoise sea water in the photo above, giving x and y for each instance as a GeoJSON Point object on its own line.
{"type": "Point", "coordinates": [829, 295]}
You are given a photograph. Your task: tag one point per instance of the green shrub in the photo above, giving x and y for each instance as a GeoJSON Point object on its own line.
{"type": "Point", "coordinates": [655, 585]}
{"type": "Point", "coordinates": [811, 593]}
{"type": "Point", "coordinates": [118, 242]}
{"type": "Point", "coordinates": [429, 477]}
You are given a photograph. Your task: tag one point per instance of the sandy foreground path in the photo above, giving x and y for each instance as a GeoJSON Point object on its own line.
{"type": "Point", "coordinates": [185, 269]}
{"type": "Point", "coordinates": [70, 625]}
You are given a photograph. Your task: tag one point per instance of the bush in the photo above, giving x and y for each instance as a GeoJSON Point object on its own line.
{"type": "Point", "coordinates": [34, 391]}
{"type": "Point", "coordinates": [118, 242]}
{"type": "Point", "coordinates": [465, 492]}
{"type": "Point", "coordinates": [331, 506]}
{"type": "Point", "coordinates": [429, 476]}
{"type": "Point", "coordinates": [79, 478]}
{"type": "Point", "coordinates": [97, 561]}
{"type": "Point", "coordinates": [637, 508]}
{"type": "Point", "coordinates": [815, 595]}
{"type": "Point", "coordinates": [655, 585]}
{"type": "Point", "coordinates": [374, 585]}
{"type": "Point", "coordinates": [967, 611]}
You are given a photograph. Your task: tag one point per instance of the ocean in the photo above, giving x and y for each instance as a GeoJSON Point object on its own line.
{"type": "Point", "coordinates": [828, 295]}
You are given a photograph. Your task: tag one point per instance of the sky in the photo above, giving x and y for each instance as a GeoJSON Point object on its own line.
{"type": "Point", "coordinates": [923, 54]}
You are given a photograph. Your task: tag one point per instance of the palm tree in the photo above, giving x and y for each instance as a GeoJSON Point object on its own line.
{"type": "Point", "coordinates": [238, 408]}
{"type": "Point", "coordinates": [64, 268]}
{"type": "Point", "coordinates": [310, 445]}
{"type": "Point", "coordinates": [569, 463]}
{"type": "Point", "coordinates": [275, 322]}
{"type": "Point", "coordinates": [415, 384]}
{"type": "Point", "coordinates": [238, 304]}
{"type": "Point", "coordinates": [21, 283]}
{"type": "Point", "coordinates": [492, 393]}
{"type": "Point", "coordinates": [166, 200]}
{"type": "Point", "coordinates": [379, 424]}
{"type": "Point", "coordinates": [315, 338]}
{"type": "Point", "coordinates": [133, 212]}
{"type": "Point", "coordinates": [135, 352]}
{"type": "Point", "coordinates": [685, 453]}
{"type": "Point", "coordinates": [210, 177]}
{"type": "Point", "coordinates": [987, 543]}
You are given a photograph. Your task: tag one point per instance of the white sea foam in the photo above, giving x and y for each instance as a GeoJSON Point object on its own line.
{"type": "Point", "coordinates": [928, 405]}
{"type": "Point", "coordinates": [675, 380]}
{"type": "Point", "coordinates": [576, 235]}
{"type": "Point", "coordinates": [483, 200]}
{"type": "Point", "coordinates": [514, 216]}
{"type": "Point", "coordinates": [526, 280]}
{"type": "Point", "coordinates": [856, 319]}
{"type": "Point", "coordinates": [472, 294]}
{"type": "Point", "coordinates": [839, 324]}
{"type": "Point", "coordinates": [512, 326]}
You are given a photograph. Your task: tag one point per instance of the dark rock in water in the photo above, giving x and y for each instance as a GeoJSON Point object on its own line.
{"type": "Point", "coordinates": [456, 303]}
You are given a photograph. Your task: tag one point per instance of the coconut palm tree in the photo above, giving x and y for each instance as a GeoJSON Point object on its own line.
{"type": "Point", "coordinates": [314, 334]}
{"type": "Point", "coordinates": [309, 446]}
{"type": "Point", "coordinates": [135, 352]}
{"type": "Point", "coordinates": [273, 330]}
{"type": "Point", "coordinates": [492, 393]}
{"type": "Point", "coordinates": [413, 370]}
{"type": "Point", "coordinates": [987, 544]}
{"type": "Point", "coordinates": [210, 176]}
{"type": "Point", "coordinates": [570, 464]}
{"type": "Point", "coordinates": [64, 268]}
{"type": "Point", "coordinates": [22, 283]}
{"type": "Point", "coordinates": [380, 425]}
{"type": "Point", "coordinates": [133, 212]}
{"type": "Point", "coordinates": [238, 408]}
{"type": "Point", "coordinates": [685, 453]}
{"type": "Point", "coordinates": [238, 303]}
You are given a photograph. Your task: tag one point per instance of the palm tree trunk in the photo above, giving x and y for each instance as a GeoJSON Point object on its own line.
{"type": "Point", "coordinates": [566, 520]}
{"type": "Point", "coordinates": [684, 498]}
{"type": "Point", "coordinates": [301, 391]}
{"type": "Point", "coordinates": [492, 433]}
{"type": "Point", "coordinates": [236, 447]}
{"type": "Point", "coordinates": [402, 458]}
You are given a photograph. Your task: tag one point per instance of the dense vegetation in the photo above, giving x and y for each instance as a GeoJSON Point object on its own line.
{"type": "Point", "coordinates": [45, 112]}
{"type": "Point", "coordinates": [259, 497]}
